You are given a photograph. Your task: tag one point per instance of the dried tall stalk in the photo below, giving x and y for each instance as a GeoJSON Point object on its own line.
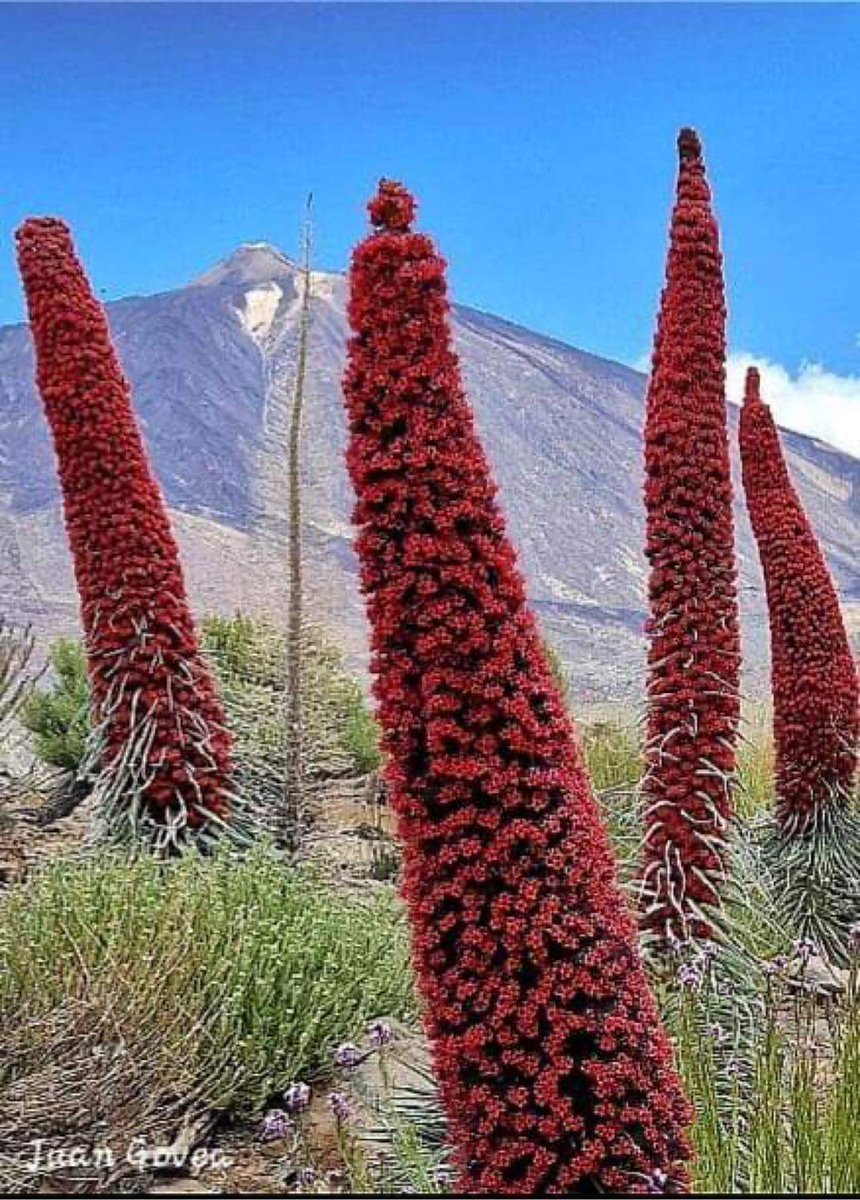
{"type": "Point", "coordinates": [295, 773]}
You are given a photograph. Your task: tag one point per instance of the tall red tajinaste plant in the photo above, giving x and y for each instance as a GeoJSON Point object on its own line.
{"type": "Point", "coordinates": [814, 676]}
{"type": "Point", "coordinates": [153, 697]}
{"type": "Point", "coordinates": [554, 1070]}
{"type": "Point", "coordinates": [694, 647]}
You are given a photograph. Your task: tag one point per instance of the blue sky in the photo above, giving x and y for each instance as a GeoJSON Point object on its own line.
{"type": "Point", "coordinates": [539, 139]}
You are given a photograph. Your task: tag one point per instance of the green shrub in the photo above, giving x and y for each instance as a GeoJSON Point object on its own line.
{"type": "Point", "coordinates": [59, 718]}
{"type": "Point", "coordinates": [237, 645]}
{"type": "Point", "coordinates": [614, 761]}
{"type": "Point", "coordinates": [361, 730]}
{"type": "Point", "coordinates": [755, 796]}
{"type": "Point", "coordinates": [249, 656]}
{"type": "Point", "coordinates": [238, 974]}
{"type": "Point", "coordinates": [613, 754]}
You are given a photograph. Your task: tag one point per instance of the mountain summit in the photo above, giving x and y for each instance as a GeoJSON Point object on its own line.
{"type": "Point", "coordinates": [213, 367]}
{"type": "Point", "coordinates": [251, 263]}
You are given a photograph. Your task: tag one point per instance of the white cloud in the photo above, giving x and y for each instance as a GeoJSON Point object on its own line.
{"type": "Point", "coordinates": [815, 401]}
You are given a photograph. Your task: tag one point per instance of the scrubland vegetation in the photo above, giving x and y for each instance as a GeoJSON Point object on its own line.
{"type": "Point", "coordinates": [619, 959]}
{"type": "Point", "coordinates": [212, 984]}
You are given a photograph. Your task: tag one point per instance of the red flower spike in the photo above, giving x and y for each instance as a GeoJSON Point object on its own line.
{"type": "Point", "coordinates": [814, 676]}
{"type": "Point", "coordinates": [143, 657]}
{"type": "Point", "coordinates": [392, 208]}
{"type": "Point", "coordinates": [554, 1069]}
{"type": "Point", "coordinates": [694, 647]}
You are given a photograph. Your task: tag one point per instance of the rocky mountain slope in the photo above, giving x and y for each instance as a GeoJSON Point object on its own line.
{"type": "Point", "coordinates": [213, 368]}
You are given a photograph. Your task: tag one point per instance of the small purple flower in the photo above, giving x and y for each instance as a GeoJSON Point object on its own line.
{"type": "Point", "coordinates": [347, 1056]}
{"type": "Point", "coordinates": [690, 976]}
{"type": "Point", "coordinates": [380, 1034]}
{"type": "Point", "coordinates": [775, 966]}
{"type": "Point", "coordinates": [805, 948]}
{"type": "Point", "coordinates": [297, 1097]}
{"type": "Point", "coordinates": [733, 1069]}
{"type": "Point", "coordinates": [275, 1125]}
{"type": "Point", "coordinates": [307, 1177]}
{"type": "Point", "coordinates": [341, 1108]}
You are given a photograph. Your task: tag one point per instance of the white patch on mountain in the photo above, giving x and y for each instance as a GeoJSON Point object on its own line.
{"type": "Point", "coordinates": [258, 313]}
{"type": "Point", "coordinates": [323, 284]}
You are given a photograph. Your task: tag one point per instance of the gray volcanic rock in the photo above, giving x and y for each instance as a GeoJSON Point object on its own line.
{"type": "Point", "coordinates": [213, 367]}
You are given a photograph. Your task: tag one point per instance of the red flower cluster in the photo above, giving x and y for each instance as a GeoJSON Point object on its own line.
{"type": "Point", "coordinates": [694, 648]}
{"type": "Point", "coordinates": [554, 1069]}
{"type": "Point", "coordinates": [152, 694]}
{"type": "Point", "coordinates": [814, 676]}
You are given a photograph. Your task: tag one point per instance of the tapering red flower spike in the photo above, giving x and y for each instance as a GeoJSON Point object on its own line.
{"type": "Point", "coordinates": [554, 1070]}
{"type": "Point", "coordinates": [813, 673]}
{"type": "Point", "coordinates": [152, 693]}
{"type": "Point", "coordinates": [694, 647]}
